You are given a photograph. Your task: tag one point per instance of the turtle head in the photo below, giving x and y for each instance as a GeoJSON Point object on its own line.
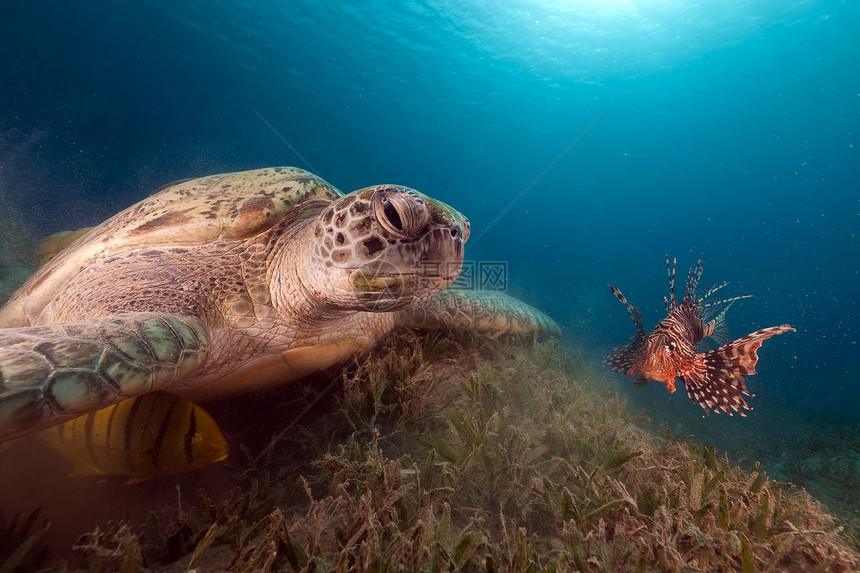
{"type": "Point", "coordinates": [384, 248]}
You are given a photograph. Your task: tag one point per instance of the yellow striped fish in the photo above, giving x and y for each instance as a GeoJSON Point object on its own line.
{"type": "Point", "coordinates": [152, 435]}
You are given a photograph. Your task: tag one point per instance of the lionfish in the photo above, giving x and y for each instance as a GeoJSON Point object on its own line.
{"type": "Point", "coordinates": [676, 347]}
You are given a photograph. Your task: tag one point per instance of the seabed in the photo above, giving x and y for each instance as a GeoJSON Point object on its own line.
{"type": "Point", "coordinates": [437, 453]}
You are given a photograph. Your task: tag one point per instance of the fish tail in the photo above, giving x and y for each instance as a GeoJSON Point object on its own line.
{"type": "Point", "coordinates": [717, 379]}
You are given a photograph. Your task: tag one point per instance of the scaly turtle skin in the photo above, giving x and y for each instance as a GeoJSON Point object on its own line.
{"type": "Point", "coordinates": [229, 283]}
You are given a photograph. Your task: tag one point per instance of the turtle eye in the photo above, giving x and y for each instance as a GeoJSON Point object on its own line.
{"type": "Point", "coordinates": [392, 216]}
{"type": "Point", "coordinates": [400, 211]}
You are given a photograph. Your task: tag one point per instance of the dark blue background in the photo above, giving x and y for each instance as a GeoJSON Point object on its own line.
{"type": "Point", "coordinates": [727, 128]}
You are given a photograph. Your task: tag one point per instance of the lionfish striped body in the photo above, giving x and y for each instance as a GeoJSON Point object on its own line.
{"type": "Point", "coordinates": [715, 378]}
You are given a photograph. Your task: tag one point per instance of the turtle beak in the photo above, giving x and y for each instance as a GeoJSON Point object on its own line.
{"type": "Point", "coordinates": [418, 269]}
{"type": "Point", "coordinates": [377, 277]}
{"type": "Point", "coordinates": [442, 260]}
{"type": "Point", "coordinates": [465, 228]}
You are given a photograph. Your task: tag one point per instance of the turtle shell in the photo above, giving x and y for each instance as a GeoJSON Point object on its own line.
{"type": "Point", "coordinates": [190, 212]}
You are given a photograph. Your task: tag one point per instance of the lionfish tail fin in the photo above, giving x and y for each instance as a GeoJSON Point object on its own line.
{"type": "Point", "coordinates": [631, 309]}
{"type": "Point", "coordinates": [717, 379]}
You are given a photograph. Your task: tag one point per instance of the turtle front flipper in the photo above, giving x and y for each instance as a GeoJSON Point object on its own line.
{"type": "Point", "coordinates": [484, 311]}
{"type": "Point", "coordinates": [50, 374]}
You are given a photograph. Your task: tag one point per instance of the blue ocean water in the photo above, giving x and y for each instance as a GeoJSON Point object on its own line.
{"type": "Point", "coordinates": [585, 140]}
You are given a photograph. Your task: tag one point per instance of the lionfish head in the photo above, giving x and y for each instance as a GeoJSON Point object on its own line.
{"type": "Point", "coordinates": [661, 360]}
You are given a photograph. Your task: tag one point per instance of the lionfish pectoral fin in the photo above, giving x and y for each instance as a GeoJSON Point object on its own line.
{"type": "Point", "coordinates": [716, 388]}
{"type": "Point", "coordinates": [743, 352]}
{"type": "Point", "coordinates": [631, 309]}
{"type": "Point", "coordinates": [641, 381]}
{"type": "Point", "coordinates": [717, 329]}
{"type": "Point", "coordinates": [717, 379]}
{"type": "Point", "coordinates": [623, 358]}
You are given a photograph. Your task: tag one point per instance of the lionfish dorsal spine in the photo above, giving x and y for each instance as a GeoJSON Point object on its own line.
{"type": "Point", "coordinates": [671, 271]}
{"type": "Point", "coordinates": [693, 277]}
{"type": "Point", "coordinates": [709, 293]}
{"type": "Point", "coordinates": [724, 301]}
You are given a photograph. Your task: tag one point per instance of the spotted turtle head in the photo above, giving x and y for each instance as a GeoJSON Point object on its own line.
{"type": "Point", "coordinates": [385, 247]}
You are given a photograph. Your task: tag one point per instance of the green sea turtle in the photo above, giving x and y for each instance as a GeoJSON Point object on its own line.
{"type": "Point", "coordinates": [234, 282]}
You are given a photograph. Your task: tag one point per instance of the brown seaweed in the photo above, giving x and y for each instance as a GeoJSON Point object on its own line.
{"type": "Point", "coordinates": [438, 454]}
